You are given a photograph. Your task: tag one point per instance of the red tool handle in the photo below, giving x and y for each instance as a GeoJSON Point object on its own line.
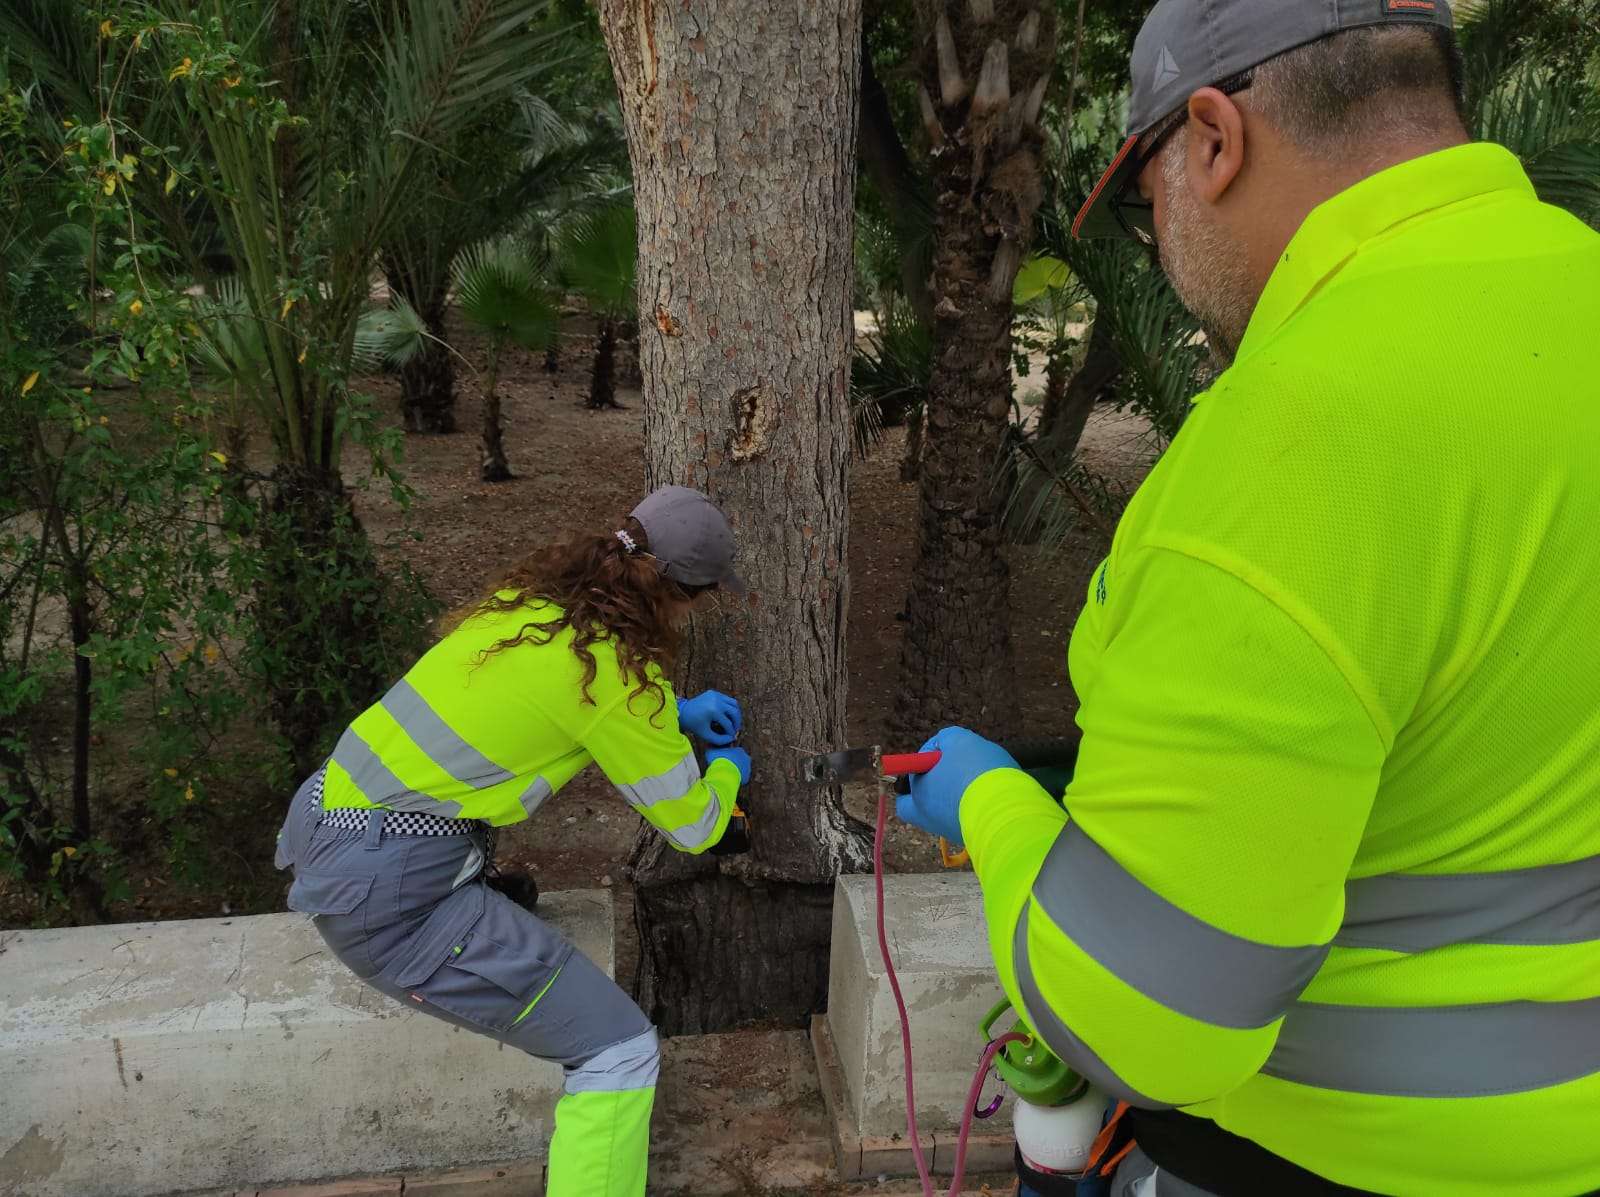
{"type": "Point", "coordinates": [901, 763]}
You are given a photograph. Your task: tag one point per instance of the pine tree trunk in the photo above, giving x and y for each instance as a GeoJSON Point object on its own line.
{"type": "Point", "coordinates": [741, 119]}
{"type": "Point", "coordinates": [984, 72]}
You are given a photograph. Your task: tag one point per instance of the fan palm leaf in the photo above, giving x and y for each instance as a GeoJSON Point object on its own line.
{"type": "Point", "coordinates": [500, 290]}
{"type": "Point", "coordinates": [597, 253]}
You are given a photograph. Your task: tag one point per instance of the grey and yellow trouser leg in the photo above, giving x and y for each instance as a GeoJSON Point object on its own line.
{"type": "Point", "coordinates": [396, 910]}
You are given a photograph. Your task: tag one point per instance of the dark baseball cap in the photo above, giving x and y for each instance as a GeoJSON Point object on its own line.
{"type": "Point", "coordinates": [689, 537]}
{"type": "Point", "coordinates": [1185, 45]}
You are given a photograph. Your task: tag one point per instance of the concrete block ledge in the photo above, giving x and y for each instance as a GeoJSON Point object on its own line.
{"type": "Point", "coordinates": [939, 941]}
{"type": "Point", "coordinates": [238, 1056]}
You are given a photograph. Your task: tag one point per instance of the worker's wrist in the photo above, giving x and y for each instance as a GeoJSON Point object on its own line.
{"type": "Point", "coordinates": [994, 799]}
{"type": "Point", "coordinates": [724, 776]}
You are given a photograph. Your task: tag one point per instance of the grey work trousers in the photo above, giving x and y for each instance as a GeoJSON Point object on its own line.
{"type": "Point", "coordinates": [412, 917]}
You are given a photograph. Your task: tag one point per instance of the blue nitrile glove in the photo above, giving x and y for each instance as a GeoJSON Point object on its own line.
{"type": "Point", "coordinates": [738, 756]}
{"type": "Point", "coordinates": [712, 716]}
{"type": "Point", "coordinates": [934, 803]}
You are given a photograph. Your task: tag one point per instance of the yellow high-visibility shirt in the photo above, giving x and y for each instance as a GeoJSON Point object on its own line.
{"type": "Point", "coordinates": [470, 736]}
{"type": "Point", "coordinates": [1329, 869]}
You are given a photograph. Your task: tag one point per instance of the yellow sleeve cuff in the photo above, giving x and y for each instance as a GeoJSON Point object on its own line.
{"type": "Point", "coordinates": [1008, 821]}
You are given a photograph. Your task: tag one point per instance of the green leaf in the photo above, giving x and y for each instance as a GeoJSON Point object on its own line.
{"type": "Point", "coordinates": [1039, 274]}
{"type": "Point", "coordinates": [500, 290]}
{"type": "Point", "coordinates": [598, 254]}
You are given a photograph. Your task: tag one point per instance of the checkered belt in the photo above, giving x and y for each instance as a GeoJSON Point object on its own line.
{"type": "Point", "coordinates": [399, 822]}
{"type": "Point", "coordinates": [395, 822]}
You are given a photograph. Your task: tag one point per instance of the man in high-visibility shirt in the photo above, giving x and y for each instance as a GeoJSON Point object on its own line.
{"type": "Point", "coordinates": [1324, 900]}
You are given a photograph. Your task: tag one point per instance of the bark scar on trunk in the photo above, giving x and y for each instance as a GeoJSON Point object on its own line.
{"type": "Point", "coordinates": [667, 322]}
{"type": "Point", "coordinates": [755, 419]}
{"type": "Point", "coordinates": [647, 46]}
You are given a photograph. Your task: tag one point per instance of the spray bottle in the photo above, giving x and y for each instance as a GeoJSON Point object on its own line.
{"type": "Point", "coordinates": [1058, 1113]}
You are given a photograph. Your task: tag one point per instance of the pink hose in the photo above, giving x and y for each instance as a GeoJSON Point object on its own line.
{"type": "Point", "coordinates": [905, 1035]}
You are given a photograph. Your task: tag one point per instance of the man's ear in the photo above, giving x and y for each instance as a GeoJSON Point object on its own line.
{"type": "Point", "coordinates": [1215, 144]}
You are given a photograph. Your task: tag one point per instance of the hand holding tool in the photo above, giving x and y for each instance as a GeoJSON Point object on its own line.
{"type": "Point", "coordinates": [934, 803]}
{"type": "Point", "coordinates": [1056, 755]}
{"type": "Point", "coordinates": [712, 716]}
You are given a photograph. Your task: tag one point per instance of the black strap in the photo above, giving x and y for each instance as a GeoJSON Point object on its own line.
{"type": "Point", "coordinates": [1201, 1152]}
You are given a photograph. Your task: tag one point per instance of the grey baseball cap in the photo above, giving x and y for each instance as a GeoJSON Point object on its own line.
{"type": "Point", "coordinates": [689, 537]}
{"type": "Point", "coordinates": [1185, 45]}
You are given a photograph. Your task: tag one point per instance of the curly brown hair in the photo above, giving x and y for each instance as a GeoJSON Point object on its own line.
{"type": "Point", "coordinates": [605, 592]}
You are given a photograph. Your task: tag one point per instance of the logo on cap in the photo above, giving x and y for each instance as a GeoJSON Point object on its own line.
{"type": "Point", "coordinates": [1390, 6]}
{"type": "Point", "coordinates": [1166, 67]}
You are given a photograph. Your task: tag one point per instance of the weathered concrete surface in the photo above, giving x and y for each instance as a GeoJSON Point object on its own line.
{"type": "Point", "coordinates": [939, 941]}
{"type": "Point", "coordinates": [156, 1058]}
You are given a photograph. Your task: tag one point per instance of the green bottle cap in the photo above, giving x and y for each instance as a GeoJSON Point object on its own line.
{"type": "Point", "coordinates": [1031, 1070]}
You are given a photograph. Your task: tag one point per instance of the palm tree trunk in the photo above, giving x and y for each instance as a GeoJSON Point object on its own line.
{"type": "Point", "coordinates": [985, 70]}
{"type": "Point", "coordinates": [494, 467]}
{"type": "Point", "coordinates": [603, 381]}
{"type": "Point", "coordinates": [428, 379]}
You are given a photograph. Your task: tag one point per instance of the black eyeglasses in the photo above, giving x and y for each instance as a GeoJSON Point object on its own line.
{"type": "Point", "coordinates": [1137, 216]}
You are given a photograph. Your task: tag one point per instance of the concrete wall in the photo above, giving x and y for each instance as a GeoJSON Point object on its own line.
{"type": "Point", "coordinates": [154, 1058]}
{"type": "Point", "coordinates": [939, 942]}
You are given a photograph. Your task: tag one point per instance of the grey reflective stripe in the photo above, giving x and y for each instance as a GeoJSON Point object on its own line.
{"type": "Point", "coordinates": [632, 1064]}
{"type": "Point", "coordinates": [698, 832]}
{"type": "Point", "coordinates": [377, 782]}
{"type": "Point", "coordinates": [439, 740]}
{"type": "Point", "coordinates": [1438, 1051]}
{"type": "Point", "coordinates": [1059, 1037]}
{"type": "Point", "coordinates": [664, 787]}
{"type": "Point", "coordinates": [1170, 956]}
{"type": "Point", "coordinates": [534, 796]}
{"type": "Point", "coordinates": [1553, 904]}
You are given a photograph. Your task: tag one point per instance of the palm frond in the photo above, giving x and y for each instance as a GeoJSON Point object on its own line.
{"type": "Point", "coordinates": [57, 43]}
{"type": "Point", "coordinates": [500, 290]}
{"type": "Point", "coordinates": [1050, 498]}
{"type": "Point", "coordinates": [1568, 176]}
{"type": "Point", "coordinates": [389, 336]}
{"type": "Point", "coordinates": [231, 348]}
{"type": "Point", "coordinates": [597, 253]}
{"type": "Point", "coordinates": [890, 371]}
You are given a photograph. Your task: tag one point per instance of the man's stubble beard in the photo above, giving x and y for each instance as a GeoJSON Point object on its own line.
{"type": "Point", "coordinates": [1206, 267]}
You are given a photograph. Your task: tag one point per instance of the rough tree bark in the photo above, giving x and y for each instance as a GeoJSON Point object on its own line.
{"type": "Point", "coordinates": [741, 118]}
{"type": "Point", "coordinates": [985, 67]}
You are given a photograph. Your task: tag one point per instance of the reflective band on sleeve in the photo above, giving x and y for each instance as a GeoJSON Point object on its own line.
{"type": "Point", "coordinates": [1553, 904]}
{"type": "Point", "coordinates": [1059, 1037]}
{"type": "Point", "coordinates": [534, 796]}
{"type": "Point", "coordinates": [439, 740]}
{"type": "Point", "coordinates": [1173, 958]}
{"type": "Point", "coordinates": [697, 833]}
{"type": "Point", "coordinates": [1438, 1051]}
{"type": "Point", "coordinates": [663, 787]}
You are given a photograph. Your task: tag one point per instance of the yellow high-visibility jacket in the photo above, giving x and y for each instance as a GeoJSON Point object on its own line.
{"type": "Point", "coordinates": [474, 737]}
{"type": "Point", "coordinates": [1329, 869]}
